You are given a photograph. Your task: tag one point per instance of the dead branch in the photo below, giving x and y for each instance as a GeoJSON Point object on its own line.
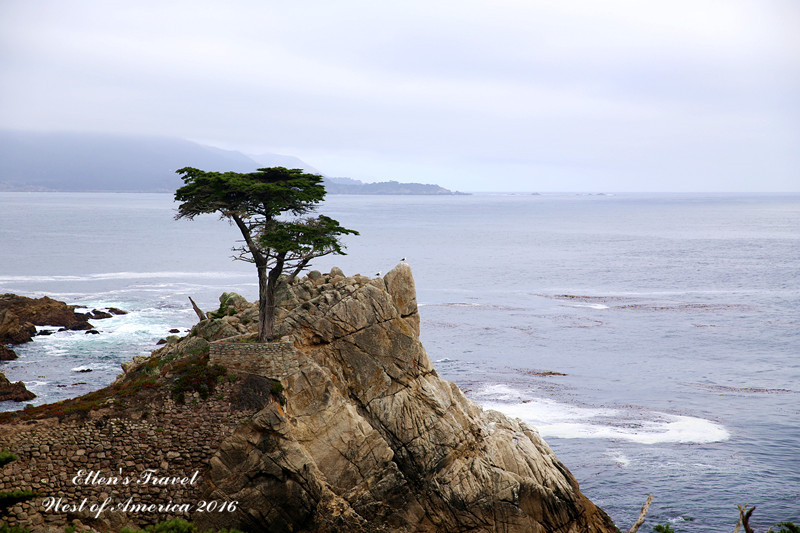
{"type": "Point", "coordinates": [197, 310]}
{"type": "Point", "coordinates": [639, 521]}
{"type": "Point", "coordinates": [744, 519]}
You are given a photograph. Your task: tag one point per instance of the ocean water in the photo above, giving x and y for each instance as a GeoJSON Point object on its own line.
{"type": "Point", "coordinates": [653, 340]}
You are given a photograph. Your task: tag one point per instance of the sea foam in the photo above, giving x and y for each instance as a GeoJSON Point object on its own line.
{"type": "Point", "coordinates": [562, 420]}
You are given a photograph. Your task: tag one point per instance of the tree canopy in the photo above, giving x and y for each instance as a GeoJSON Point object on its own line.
{"type": "Point", "coordinates": [261, 205]}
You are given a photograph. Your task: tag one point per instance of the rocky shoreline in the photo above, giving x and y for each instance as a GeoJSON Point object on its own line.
{"type": "Point", "coordinates": [19, 318]}
{"type": "Point", "coordinates": [361, 436]}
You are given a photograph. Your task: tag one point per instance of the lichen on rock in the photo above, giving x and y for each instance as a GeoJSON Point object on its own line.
{"type": "Point", "coordinates": [371, 438]}
{"type": "Point", "coordinates": [362, 435]}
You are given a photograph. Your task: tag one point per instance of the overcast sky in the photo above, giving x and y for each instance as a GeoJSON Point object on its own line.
{"type": "Point", "coordinates": [527, 95]}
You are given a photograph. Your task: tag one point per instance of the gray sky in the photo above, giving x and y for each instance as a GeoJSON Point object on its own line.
{"type": "Point", "coordinates": [526, 95]}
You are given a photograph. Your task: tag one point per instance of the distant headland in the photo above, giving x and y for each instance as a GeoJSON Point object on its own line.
{"type": "Point", "coordinates": [98, 162]}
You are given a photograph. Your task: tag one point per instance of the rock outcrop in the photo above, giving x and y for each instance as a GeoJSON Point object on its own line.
{"type": "Point", "coordinates": [363, 436]}
{"type": "Point", "coordinates": [16, 392]}
{"type": "Point", "coordinates": [7, 354]}
{"type": "Point", "coordinates": [19, 316]}
{"type": "Point", "coordinates": [372, 439]}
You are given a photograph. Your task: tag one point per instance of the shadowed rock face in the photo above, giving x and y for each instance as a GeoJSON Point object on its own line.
{"type": "Point", "coordinates": [372, 439]}
{"type": "Point", "coordinates": [14, 391]}
{"type": "Point", "coordinates": [19, 316]}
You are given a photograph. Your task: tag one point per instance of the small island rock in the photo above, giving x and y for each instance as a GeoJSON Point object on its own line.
{"type": "Point", "coordinates": [14, 391]}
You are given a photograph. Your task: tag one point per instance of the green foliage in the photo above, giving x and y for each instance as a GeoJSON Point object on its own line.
{"type": "Point", "coordinates": [268, 192]}
{"type": "Point", "coordinates": [663, 529]}
{"type": "Point", "coordinates": [318, 236]}
{"type": "Point", "coordinates": [142, 380]}
{"type": "Point", "coordinates": [176, 525]}
{"type": "Point", "coordinates": [224, 309]}
{"type": "Point", "coordinates": [277, 391]}
{"type": "Point", "coordinates": [70, 529]}
{"type": "Point", "coordinates": [194, 375]}
{"type": "Point", "coordinates": [260, 204]}
{"type": "Point", "coordinates": [785, 527]}
{"type": "Point", "coordinates": [6, 457]}
{"type": "Point", "coordinates": [5, 528]}
{"type": "Point", "coordinates": [8, 499]}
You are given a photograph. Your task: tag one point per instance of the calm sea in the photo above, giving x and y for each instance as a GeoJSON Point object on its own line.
{"type": "Point", "coordinates": [654, 340]}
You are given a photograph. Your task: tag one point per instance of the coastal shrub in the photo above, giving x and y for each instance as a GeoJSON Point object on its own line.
{"type": "Point", "coordinates": [194, 375]}
{"type": "Point", "coordinates": [253, 393]}
{"type": "Point", "coordinates": [785, 527]}
{"type": "Point", "coordinates": [277, 391]}
{"type": "Point", "coordinates": [8, 499]}
{"type": "Point", "coordinates": [141, 380]}
{"type": "Point", "coordinates": [176, 525]}
{"type": "Point", "coordinates": [5, 528]}
{"type": "Point", "coordinates": [663, 528]}
{"type": "Point", "coordinates": [224, 308]}
{"type": "Point", "coordinates": [6, 457]}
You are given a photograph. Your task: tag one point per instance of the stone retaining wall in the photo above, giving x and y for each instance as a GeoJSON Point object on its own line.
{"type": "Point", "coordinates": [274, 360]}
{"type": "Point", "coordinates": [169, 440]}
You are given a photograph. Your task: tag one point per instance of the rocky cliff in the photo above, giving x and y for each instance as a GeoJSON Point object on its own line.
{"type": "Point", "coordinates": [363, 436]}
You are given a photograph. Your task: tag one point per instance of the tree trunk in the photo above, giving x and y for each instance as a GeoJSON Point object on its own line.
{"type": "Point", "coordinates": [197, 310]}
{"type": "Point", "coordinates": [265, 318]}
{"type": "Point", "coordinates": [268, 301]}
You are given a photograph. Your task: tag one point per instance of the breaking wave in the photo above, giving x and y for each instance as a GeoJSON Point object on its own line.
{"type": "Point", "coordinates": [561, 420]}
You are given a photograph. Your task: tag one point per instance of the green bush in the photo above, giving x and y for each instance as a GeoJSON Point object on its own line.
{"type": "Point", "coordinates": [176, 525]}
{"type": "Point", "coordinates": [5, 528]}
{"type": "Point", "coordinates": [663, 529]}
{"type": "Point", "coordinates": [6, 457]}
{"type": "Point", "coordinates": [785, 527]}
{"type": "Point", "coordinates": [8, 499]}
{"type": "Point", "coordinates": [195, 375]}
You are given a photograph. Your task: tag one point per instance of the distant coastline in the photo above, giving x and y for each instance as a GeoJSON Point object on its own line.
{"type": "Point", "coordinates": [351, 186]}
{"type": "Point", "coordinates": [96, 162]}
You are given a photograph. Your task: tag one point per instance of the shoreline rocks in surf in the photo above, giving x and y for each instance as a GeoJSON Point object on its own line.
{"type": "Point", "coordinates": [20, 315]}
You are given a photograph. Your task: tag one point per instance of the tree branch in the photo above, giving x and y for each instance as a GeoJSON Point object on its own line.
{"type": "Point", "coordinates": [744, 519]}
{"type": "Point", "coordinates": [197, 310]}
{"type": "Point", "coordinates": [248, 238]}
{"type": "Point", "coordinates": [639, 521]}
{"type": "Point", "coordinates": [298, 268]}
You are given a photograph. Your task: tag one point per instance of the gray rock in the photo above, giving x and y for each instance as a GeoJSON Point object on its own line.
{"type": "Point", "coordinates": [372, 439]}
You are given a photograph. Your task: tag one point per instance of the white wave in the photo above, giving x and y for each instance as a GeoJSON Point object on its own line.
{"type": "Point", "coordinates": [590, 306]}
{"type": "Point", "coordinates": [619, 458]}
{"type": "Point", "coordinates": [560, 420]}
{"type": "Point", "coordinates": [445, 360]}
{"type": "Point", "coordinates": [127, 275]}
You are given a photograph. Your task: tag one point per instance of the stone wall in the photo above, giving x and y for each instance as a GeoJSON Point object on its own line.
{"type": "Point", "coordinates": [59, 459]}
{"type": "Point", "coordinates": [275, 360]}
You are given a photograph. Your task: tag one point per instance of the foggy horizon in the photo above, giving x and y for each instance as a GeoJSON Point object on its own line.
{"type": "Point", "coordinates": [495, 97]}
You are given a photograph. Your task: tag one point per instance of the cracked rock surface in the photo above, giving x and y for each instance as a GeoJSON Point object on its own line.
{"type": "Point", "coordinates": [372, 439]}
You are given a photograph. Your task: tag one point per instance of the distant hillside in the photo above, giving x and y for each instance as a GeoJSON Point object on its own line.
{"type": "Point", "coordinates": [83, 162]}
{"type": "Point", "coordinates": [351, 186]}
{"type": "Point", "coordinates": [103, 162]}
{"type": "Point", "coordinates": [287, 161]}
